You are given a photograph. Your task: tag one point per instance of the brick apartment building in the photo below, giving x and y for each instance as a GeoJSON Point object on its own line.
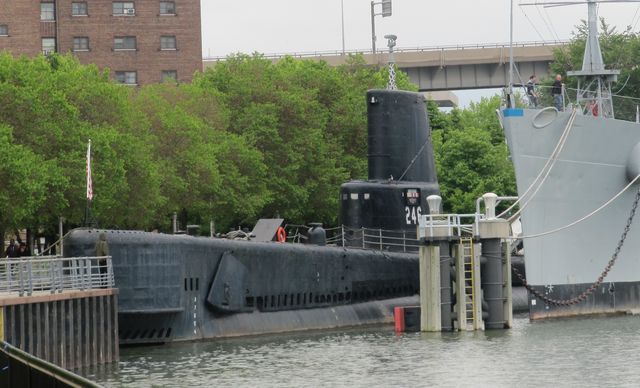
{"type": "Point", "coordinates": [141, 41]}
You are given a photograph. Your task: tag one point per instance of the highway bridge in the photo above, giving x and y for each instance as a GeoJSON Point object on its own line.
{"type": "Point", "coordinates": [449, 68]}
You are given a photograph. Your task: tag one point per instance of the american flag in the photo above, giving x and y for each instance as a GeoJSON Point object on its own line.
{"type": "Point", "coordinates": [89, 180]}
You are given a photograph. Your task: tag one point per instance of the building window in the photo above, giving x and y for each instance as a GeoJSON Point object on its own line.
{"type": "Point", "coordinates": [47, 11]}
{"type": "Point", "coordinates": [48, 45]}
{"type": "Point", "coordinates": [169, 75]}
{"type": "Point", "coordinates": [80, 43]}
{"type": "Point", "coordinates": [124, 43]}
{"type": "Point", "coordinates": [168, 42]}
{"type": "Point", "coordinates": [124, 8]}
{"type": "Point", "coordinates": [167, 8]}
{"type": "Point", "coordinates": [127, 77]}
{"type": "Point", "coordinates": [79, 9]}
{"type": "Point", "coordinates": [4, 30]}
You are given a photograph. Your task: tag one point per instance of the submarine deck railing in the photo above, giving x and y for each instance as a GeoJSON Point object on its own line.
{"type": "Point", "coordinates": [402, 240]}
{"type": "Point", "coordinates": [372, 238]}
{"type": "Point", "coordinates": [24, 275]}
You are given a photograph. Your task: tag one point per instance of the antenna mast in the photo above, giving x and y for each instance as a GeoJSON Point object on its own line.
{"type": "Point", "coordinates": [392, 62]}
{"type": "Point", "coordinates": [594, 81]}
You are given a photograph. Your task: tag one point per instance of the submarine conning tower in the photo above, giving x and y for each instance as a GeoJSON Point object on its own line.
{"type": "Point", "coordinates": [402, 171]}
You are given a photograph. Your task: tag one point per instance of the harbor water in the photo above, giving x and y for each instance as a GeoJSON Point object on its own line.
{"type": "Point", "coordinates": [584, 352]}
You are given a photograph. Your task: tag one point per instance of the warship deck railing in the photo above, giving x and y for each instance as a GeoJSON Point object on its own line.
{"type": "Point", "coordinates": [24, 275]}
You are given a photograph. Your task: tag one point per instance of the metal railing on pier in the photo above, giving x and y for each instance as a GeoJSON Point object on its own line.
{"type": "Point", "coordinates": [24, 275]}
{"type": "Point", "coordinates": [455, 225]}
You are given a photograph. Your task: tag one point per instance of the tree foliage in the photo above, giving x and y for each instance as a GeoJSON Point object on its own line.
{"type": "Point", "coordinates": [471, 154]}
{"type": "Point", "coordinates": [246, 139]}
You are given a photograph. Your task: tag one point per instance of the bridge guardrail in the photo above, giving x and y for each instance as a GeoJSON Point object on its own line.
{"type": "Point", "coordinates": [311, 54]}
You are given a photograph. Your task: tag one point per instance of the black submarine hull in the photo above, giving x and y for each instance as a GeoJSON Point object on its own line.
{"type": "Point", "coordinates": [177, 287]}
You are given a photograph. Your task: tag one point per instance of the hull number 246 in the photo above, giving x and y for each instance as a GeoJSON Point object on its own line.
{"type": "Point", "coordinates": [412, 213]}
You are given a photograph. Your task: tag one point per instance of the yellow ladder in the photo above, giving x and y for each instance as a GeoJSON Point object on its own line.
{"type": "Point", "coordinates": [468, 258]}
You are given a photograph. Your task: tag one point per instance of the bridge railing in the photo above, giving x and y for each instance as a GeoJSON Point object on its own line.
{"type": "Point", "coordinates": [24, 275]}
{"type": "Point", "coordinates": [337, 53]}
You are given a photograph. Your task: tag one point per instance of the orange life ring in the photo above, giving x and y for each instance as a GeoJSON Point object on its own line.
{"type": "Point", "coordinates": [281, 235]}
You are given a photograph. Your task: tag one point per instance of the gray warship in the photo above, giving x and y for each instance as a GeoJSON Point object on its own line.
{"type": "Point", "coordinates": [577, 174]}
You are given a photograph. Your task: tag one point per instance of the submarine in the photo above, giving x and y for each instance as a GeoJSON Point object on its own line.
{"type": "Point", "coordinates": [181, 288]}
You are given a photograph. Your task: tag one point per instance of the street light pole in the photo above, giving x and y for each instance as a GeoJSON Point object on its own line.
{"type": "Point", "coordinates": [342, 9]}
{"type": "Point", "coordinates": [511, 103]}
{"type": "Point", "coordinates": [386, 11]}
{"type": "Point", "coordinates": [373, 28]}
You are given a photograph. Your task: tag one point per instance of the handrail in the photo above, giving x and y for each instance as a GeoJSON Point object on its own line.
{"type": "Point", "coordinates": [24, 275]}
{"type": "Point", "coordinates": [432, 225]}
{"type": "Point", "coordinates": [62, 376]}
{"type": "Point", "coordinates": [57, 243]}
{"type": "Point", "coordinates": [311, 54]}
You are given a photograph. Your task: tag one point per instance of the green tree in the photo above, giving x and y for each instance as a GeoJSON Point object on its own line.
{"type": "Point", "coordinates": [23, 175]}
{"type": "Point", "coordinates": [471, 155]}
{"type": "Point", "coordinates": [54, 105]}
{"type": "Point", "coordinates": [307, 119]}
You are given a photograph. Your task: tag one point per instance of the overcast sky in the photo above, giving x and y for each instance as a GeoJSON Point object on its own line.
{"type": "Point", "coordinates": [290, 26]}
{"type": "Point", "coordinates": [275, 26]}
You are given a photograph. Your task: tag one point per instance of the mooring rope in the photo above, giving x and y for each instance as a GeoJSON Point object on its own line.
{"type": "Point", "coordinates": [585, 217]}
{"type": "Point", "coordinates": [550, 164]}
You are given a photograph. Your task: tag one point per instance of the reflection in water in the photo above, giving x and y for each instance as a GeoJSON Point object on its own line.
{"type": "Point", "coordinates": [577, 352]}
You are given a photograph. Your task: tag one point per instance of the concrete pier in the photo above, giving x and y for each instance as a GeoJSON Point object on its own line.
{"type": "Point", "coordinates": [482, 270]}
{"type": "Point", "coordinates": [430, 296]}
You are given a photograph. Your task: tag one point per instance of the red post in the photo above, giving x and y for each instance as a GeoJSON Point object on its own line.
{"type": "Point", "coordinates": [398, 317]}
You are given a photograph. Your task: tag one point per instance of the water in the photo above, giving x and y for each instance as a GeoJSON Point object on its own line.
{"type": "Point", "coordinates": [590, 352]}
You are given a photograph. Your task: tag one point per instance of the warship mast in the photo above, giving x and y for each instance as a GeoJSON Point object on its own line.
{"type": "Point", "coordinates": [594, 81]}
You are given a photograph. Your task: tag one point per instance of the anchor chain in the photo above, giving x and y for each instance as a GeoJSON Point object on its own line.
{"type": "Point", "coordinates": [596, 284]}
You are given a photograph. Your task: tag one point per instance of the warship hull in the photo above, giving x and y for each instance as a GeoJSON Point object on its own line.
{"type": "Point", "coordinates": [588, 170]}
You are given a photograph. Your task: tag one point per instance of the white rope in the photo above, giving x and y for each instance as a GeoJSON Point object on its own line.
{"type": "Point", "coordinates": [552, 159]}
{"type": "Point", "coordinates": [626, 97]}
{"type": "Point", "coordinates": [561, 144]}
{"type": "Point", "coordinates": [555, 159]}
{"type": "Point", "coordinates": [585, 217]}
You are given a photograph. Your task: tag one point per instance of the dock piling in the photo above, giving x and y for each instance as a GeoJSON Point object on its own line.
{"type": "Point", "coordinates": [70, 328]}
